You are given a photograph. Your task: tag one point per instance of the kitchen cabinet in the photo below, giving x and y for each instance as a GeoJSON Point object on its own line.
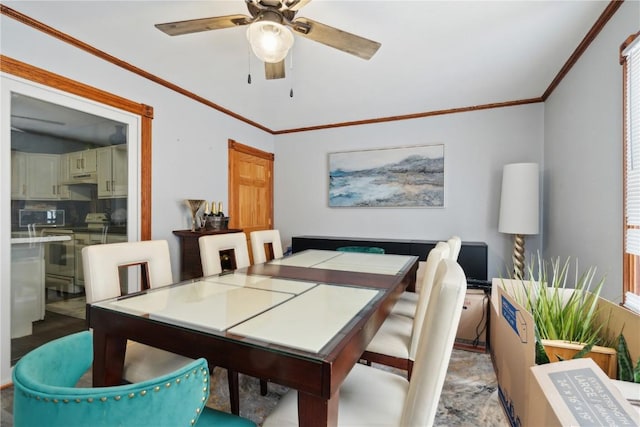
{"type": "Point", "coordinates": [42, 176]}
{"type": "Point", "coordinates": [37, 176]}
{"type": "Point", "coordinates": [63, 176]}
{"type": "Point", "coordinates": [18, 175]}
{"type": "Point", "coordinates": [112, 171]}
{"type": "Point", "coordinates": [82, 162]}
{"type": "Point", "coordinates": [70, 192]}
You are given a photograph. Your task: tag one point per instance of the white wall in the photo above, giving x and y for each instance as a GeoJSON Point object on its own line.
{"type": "Point", "coordinates": [189, 143]}
{"type": "Point", "coordinates": [189, 150]}
{"type": "Point", "coordinates": [477, 145]}
{"type": "Point", "coordinates": [583, 157]}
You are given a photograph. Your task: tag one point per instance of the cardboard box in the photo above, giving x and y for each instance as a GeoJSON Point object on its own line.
{"type": "Point", "coordinates": [512, 344]}
{"type": "Point", "coordinates": [472, 329]}
{"type": "Point", "coordinates": [576, 393]}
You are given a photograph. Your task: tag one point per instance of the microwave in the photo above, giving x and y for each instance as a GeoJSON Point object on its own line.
{"type": "Point", "coordinates": [41, 217]}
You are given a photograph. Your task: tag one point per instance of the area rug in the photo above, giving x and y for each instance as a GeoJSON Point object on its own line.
{"type": "Point", "coordinates": [469, 396]}
{"type": "Point", "coordinates": [74, 307]}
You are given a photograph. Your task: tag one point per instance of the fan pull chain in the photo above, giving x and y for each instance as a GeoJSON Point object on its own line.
{"type": "Point", "coordinates": [249, 65]}
{"type": "Point", "coordinates": [291, 73]}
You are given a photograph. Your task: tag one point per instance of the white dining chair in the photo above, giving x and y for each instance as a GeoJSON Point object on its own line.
{"type": "Point", "coordinates": [455, 244]}
{"type": "Point", "coordinates": [212, 245]}
{"type": "Point", "coordinates": [259, 241]}
{"type": "Point", "coordinates": [376, 397]}
{"type": "Point", "coordinates": [396, 342]}
{"type": "Point", "coordinates": [408, 301]}
{"type": "Point", "coordinates": [102, 280]}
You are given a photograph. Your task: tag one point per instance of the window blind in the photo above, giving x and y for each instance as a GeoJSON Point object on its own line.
{"type": "Point", "coordinates": [633, 147]}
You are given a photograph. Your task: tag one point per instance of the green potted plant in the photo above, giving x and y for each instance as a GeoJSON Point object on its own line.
{"type": "Point", "coordinates": [565, 312]}
{"type": "Point", "coordinates": [627, 371]}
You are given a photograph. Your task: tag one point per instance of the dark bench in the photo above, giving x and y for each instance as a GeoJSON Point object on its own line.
{"type": "Point", "coordinates": [472, 258]}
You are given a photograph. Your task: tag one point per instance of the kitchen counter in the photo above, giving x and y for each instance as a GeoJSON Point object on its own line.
{"type": "Point", "coordinates": [111, 230]}
{"type": "Point", "coordinates": [38, 239]}
{"type": "Point", "coordinates": [27, 282]}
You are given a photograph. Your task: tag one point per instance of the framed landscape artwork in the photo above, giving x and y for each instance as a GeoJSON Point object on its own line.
{"type": "Point", "coordinates": [391, 177]}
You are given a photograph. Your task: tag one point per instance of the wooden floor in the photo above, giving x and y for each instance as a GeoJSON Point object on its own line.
{"type": "Point", "coordinates": [53, 326]}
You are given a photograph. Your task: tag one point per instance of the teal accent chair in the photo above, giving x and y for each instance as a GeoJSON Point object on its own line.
{"type": "Point", "coordinates": [45, 393]}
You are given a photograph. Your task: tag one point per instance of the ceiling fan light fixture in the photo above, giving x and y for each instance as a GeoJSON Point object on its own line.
{"type": "Point", "coordinates": [270, 41]}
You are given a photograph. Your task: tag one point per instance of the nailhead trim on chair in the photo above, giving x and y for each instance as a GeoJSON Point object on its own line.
{"type": "Point", "coordinates": [205, 389]}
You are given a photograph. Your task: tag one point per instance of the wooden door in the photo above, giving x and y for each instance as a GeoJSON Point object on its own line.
{"type": "Point", "coordinates": [250, 189]}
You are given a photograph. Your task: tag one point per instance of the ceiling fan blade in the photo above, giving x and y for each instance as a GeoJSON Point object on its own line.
{"type": "Point", "coordinates": [295, 4]}
{"type": "Point", "coordinates": [203, 24]}
{"type": "Point", "coordinates": [273, 70]}
{"type": "Point", "coordinates": [333, 37]}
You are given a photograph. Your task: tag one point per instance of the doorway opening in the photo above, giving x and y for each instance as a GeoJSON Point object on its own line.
{"type": "Point", "coordinates": [74, 180]}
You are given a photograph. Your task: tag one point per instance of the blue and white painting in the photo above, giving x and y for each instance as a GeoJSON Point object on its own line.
{"type": "Point", "coordinates": [393, 177]}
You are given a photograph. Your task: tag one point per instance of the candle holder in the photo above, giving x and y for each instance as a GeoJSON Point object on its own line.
{"type": "Point", "coordinates": [195, 206]}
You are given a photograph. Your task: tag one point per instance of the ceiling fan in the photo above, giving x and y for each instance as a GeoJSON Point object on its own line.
{"type": "Point", "coordinates": [269, 33]}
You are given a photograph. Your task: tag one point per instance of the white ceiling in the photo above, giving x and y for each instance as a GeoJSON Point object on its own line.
{"type": "Point", "coordinates": [435, 55]}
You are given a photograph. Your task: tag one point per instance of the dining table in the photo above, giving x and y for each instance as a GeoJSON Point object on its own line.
{"type": "Point", "coordinates": [301, 321]}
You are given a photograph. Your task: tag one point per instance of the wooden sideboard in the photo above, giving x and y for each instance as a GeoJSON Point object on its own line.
{"type": "Point", "coordinates": [190, 264]}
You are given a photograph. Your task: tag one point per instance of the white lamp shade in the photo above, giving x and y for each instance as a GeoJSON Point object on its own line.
{"type": "Point", "coordinates": [269, 40]}
{"type": "Point", "coordinates": [519, 202]}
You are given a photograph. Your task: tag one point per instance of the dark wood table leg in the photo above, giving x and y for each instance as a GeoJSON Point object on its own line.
{"type": "Point", "coordinates": [234, 391]}
{"type": "Point", "coordinates": [108, 359]}
{"type": "Point", "coordinates": [315, 411]}
{"type": "Point", "coordinates": [263, 387]}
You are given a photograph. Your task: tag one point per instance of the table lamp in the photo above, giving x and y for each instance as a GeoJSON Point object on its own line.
{"type": "Point", "coordinates": [519, 211]}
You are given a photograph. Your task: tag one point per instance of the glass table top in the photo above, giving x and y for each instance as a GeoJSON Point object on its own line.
{"type": "Point", "coordinates": [346, 261]}
{"type": "Point", "coordinates": [294, 314]}
{"type": "Point", "coordinates": [309, 321]}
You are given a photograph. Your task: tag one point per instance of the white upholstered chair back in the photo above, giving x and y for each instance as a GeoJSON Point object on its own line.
{"type": "Point", "coordinates": [455, 243]}
{"type": "Point", "coordinates": [210, 247]}
{"type": "Point", "coordinates": [435, 345]}
{"type": "Point", "coordinates": [259, 239]}
{"type": "Point", "coordinates": [437, 254]}
{"type": "Point", "coordinates": [102, 280]}
{"type": "Point", "coordinates": [101, 263]}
